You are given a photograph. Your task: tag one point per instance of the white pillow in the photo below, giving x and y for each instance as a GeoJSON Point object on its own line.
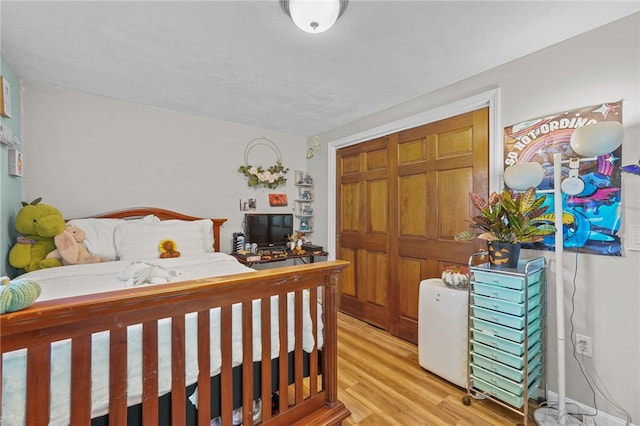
{"type": "Point", "coordinates": [138, 241]}
{"type": "Point", "coordinates": [100, 233]}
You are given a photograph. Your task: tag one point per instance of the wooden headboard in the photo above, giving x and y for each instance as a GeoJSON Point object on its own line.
{"type": "Point", "coordinates": [163, 214]}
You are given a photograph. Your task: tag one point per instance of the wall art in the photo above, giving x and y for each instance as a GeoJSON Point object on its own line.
{"type": "Point", "coordinates": [16, 162]}
{"type": "Point", "coordinates": [591, 219]}
{"type": "Point", "coordinates": [278, 200]}
{"type": "Point", "coordinates": [5, 102]}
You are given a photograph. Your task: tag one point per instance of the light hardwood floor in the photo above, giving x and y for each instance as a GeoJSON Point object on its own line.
{"type": "Point", "coordinates": [382, 383]}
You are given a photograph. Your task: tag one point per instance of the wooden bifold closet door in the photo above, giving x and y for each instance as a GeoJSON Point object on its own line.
{"type": "Point", "coordinates": [400, 200]}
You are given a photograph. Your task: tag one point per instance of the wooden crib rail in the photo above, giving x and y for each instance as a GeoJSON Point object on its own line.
{"type": "Point", "coordinates": [77, 318]}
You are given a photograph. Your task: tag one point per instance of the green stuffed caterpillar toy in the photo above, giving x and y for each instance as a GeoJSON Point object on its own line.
{"type": "Point", "coordinates": [17, 294]}
{"type": "Point", "coordinates": [38, 224]}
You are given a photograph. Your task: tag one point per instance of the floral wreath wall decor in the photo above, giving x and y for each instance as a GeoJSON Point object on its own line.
{"type": "Point", "coordinates": [273, 176]}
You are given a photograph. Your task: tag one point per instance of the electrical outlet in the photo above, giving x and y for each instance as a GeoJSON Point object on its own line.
{"type": "Point", "coordinates": [633, 242]}
{"type": "Point", "coordinates": [584, 346]}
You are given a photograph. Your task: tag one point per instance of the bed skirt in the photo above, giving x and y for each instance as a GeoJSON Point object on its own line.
{"type": "Point", "coordinates": [134, 412]}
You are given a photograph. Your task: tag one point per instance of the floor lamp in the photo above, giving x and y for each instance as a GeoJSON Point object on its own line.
{"type": "Point", "coordinates": [588, 142]}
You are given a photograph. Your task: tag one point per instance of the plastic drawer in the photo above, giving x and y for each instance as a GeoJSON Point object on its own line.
{"type": "Point", "coordinates": [534, 301]}
{"type": "Point", "coordinates": [504, 344]}
{"type": "Point", "coordinates": [534, 314]}
{"type": "Point", "coordinates": [509, 398]}
{"type": "Point", "coordinates": [509, 333]}
{"type": "Point", "coordinates": [505, 319]}
{"type": "Point", "coordinates": [510, 295]}
{"type": "Point", "coordinates": [504, 280]}
{"type": "Point", "coordinates": [516, 388]}
{"type": "Point", "coordinates": [504, 306]}
{"type": "Point", "coordinates": [515, 374]}
{"type": "Point", "coordinates": [498, 317]}
{"type": "Point", "coordinates": [503, 357]}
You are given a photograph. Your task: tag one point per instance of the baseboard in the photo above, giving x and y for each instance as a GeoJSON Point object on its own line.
{"type": "Point", "coordinates": [601, 419]}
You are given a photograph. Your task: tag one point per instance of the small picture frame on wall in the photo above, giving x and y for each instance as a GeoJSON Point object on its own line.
{"type": "Point", "coordinates": [5, 95]}
{"type": "Point", "coordinates": [247, 204]}
{"type": "Point", "coordinates": [16, 162]}
{"type": "Point", "coordinates": [278, 200]}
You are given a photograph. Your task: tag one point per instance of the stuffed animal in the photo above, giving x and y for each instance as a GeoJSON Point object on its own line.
{"type": "Point", "coordinates": [70, 247]}
{"type": "Point", "coordinates": [38, 224]}
{"type": "Point", "coordinates": [138, 273]}
{"type": "Point", "coordinates": [168, 249]}
{"type": "Point", "coordinates": [17, 294]}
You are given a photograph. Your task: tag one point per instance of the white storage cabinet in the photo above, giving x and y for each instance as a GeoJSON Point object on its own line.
{"type": "Point", "coordinates": [442, 330]}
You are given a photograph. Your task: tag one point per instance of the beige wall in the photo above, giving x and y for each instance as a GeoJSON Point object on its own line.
{"type": "Point", "coordinates": [88, 154]}
{"type": "Point", "coordinates": [600, 66]}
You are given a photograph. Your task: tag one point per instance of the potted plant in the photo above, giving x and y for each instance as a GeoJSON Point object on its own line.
{"type": "Point", "coordinates": [506, 220]}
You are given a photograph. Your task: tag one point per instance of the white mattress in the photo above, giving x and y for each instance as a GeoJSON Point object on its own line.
{"type": "Point", "coordinates": [86, 279]}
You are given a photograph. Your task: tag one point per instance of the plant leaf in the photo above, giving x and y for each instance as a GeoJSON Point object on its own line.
{"type": "Point", "coordinates": [477, 201]}
{"type": "Point", "coordinates": [494, 199]}
{"type": "Point", "coordinates": [535, 214]}
{"type": "Point", "coordinates": [465, 236]}
{"type": "Point", "coordinates": [507, 201]}
{"type": "Point", "coordinates": [527, 199]}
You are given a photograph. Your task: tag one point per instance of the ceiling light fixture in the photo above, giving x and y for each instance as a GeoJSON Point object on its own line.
{"type": "Point", "coordinates": [314, 16]}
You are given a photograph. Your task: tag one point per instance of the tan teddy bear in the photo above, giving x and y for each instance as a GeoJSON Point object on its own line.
{"type": "Point", "coordinates": [70, 247]}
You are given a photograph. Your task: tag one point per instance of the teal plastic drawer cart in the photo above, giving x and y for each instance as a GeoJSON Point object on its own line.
{"type": "Point", "coordinates": [507, 311]}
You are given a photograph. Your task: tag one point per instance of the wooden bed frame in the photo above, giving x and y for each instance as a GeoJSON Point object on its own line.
{"type": "Point", "coordinates": [312, 400]}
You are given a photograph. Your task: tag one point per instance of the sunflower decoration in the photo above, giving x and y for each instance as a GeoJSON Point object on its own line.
{"type": "Point", "coordinates": [168, 248]}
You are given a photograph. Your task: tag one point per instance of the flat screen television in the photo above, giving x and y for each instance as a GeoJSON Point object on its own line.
{"type": "Point", "coordinates": [268, 229]}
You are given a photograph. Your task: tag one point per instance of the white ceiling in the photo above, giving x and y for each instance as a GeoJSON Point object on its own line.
{"type": "Point", "coordinates": [246, 62]}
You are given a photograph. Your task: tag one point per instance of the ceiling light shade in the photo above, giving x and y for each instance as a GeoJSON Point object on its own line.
{"type": "Point", "coordinates": [314, 16]}
{"type": "Point", "coordinates": [597, 139]}
{"type": "Point", "coordinates": [522, 176]}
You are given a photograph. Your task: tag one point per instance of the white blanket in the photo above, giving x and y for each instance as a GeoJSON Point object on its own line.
{"type": "Point", "coordinates": [76, 280]}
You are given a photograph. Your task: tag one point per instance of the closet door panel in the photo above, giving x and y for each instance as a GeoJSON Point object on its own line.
{"type": "Point", "coordinates": [410, 270]}
{"type": "Point", "coordinates": [368, 298]}
{"type": "Point", "coordinates": [456, 206]}
{"type": "Point", "coordinates": [376, 160]}
{"type": "Point", "coordinates": [350, 201]}
{"type": "Point", "coordinates": [377, 207]}
{"type": "Point", "coordinates": [348, 278]}
{"type": "Point", "coordinates": [418, 248]}
{"type": "Point", "coordinates": [377, 273]}
{"type": "Point", "coordinates": [349, 164]}
{"type": "Point", "coordinates": [412, 151]}
{"type": "Point", "coordinates": [454, 143]}
{"type": "Point", "coordinates": [363, 228]}
{"type": "Point", "coordinates": [413, 209]}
